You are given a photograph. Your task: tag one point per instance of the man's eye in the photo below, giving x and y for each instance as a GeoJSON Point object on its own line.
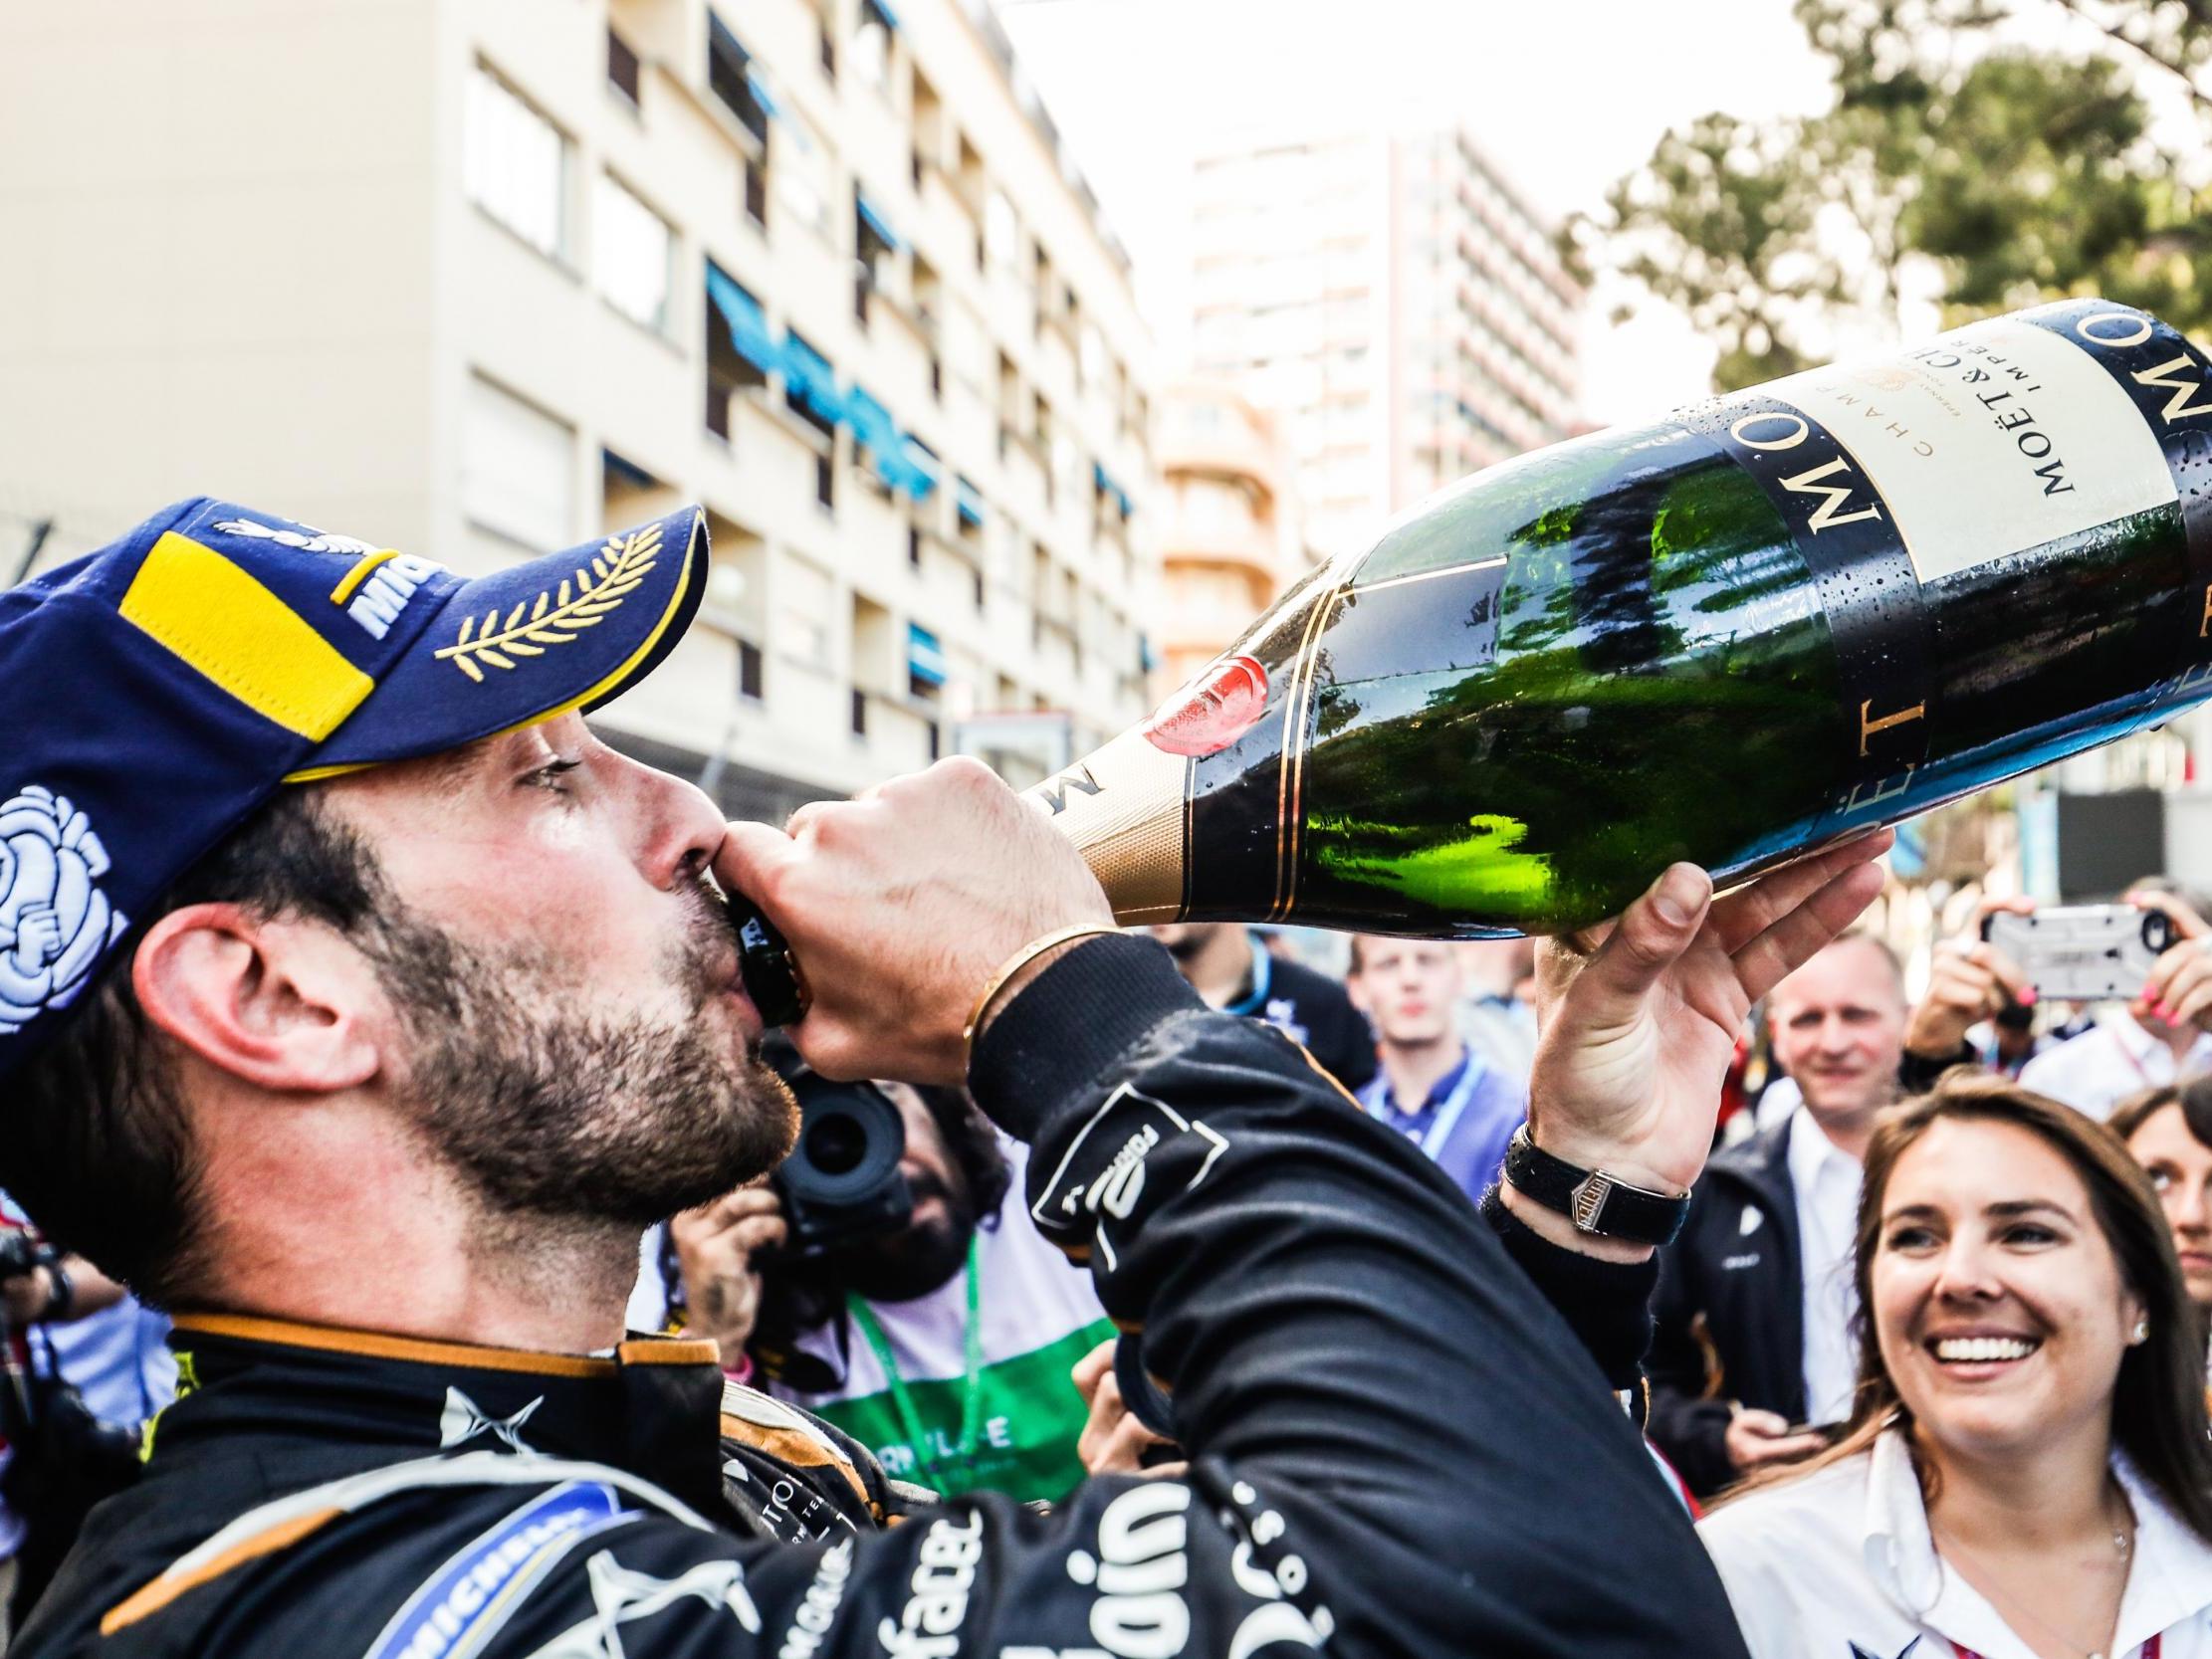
{"type": "Point", "coordinates": [549, 776]}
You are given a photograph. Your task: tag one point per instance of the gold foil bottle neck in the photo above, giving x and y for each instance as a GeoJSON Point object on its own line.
{"type": "Point", "coordinates": [1124, 807]}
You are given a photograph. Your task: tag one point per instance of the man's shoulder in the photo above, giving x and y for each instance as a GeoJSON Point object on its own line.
{"type": "Point", "coordinates": [169, 1566]}
{"type": "Point", "coordinates": [1735, 1210]}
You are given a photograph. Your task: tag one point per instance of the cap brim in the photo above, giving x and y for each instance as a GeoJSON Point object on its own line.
{"type": "Point", "coordinates": [570, 631]}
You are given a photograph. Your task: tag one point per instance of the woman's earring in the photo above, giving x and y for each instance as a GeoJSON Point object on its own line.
{"type": "Point", "coordinates": [2141, 1333]}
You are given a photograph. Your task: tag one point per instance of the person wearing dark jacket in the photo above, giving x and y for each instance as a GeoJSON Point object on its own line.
{"type": "Point", "coordinates": [377, 1005]}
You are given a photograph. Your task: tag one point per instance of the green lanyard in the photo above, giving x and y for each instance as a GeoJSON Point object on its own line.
{"type": "Point", "coordinates": [971, 1411]}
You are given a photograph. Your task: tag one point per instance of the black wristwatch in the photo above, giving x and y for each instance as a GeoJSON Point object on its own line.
{"type": "Point", "coordinates": [1597, 1203]}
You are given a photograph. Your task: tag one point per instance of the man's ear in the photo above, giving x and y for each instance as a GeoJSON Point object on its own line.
{"type": "Point", "coordinates": [277, 1004]}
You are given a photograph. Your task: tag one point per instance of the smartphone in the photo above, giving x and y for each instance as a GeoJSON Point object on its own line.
{"type": "Point", "coordinates": [2082, 952]}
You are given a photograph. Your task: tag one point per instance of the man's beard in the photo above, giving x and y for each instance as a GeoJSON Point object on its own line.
{"type": "Point", "coordinates": [550, 1106]}
{"type": "Point", "coordinates": [916, 1259]}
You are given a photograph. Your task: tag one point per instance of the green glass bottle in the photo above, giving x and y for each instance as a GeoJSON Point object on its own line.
{"type": "Point", "coordinates": [1766, 622]}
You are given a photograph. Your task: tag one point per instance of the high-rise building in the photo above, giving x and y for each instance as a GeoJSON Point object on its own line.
{"type": "Point", "coordinates": [1232, 537]}
{"type": "Point", "coordinates": [484, 277]}
{"type": "Point", "coordinates": [1393, 301]}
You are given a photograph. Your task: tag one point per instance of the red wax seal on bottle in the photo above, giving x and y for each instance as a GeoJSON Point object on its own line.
{"type": "Point", "coordinates": [1212, 710]}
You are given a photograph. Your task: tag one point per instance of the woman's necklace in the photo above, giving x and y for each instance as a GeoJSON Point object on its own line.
{"type": "Point", "coordinates": [2123, 1549]}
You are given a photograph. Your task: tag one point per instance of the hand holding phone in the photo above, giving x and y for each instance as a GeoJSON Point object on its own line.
{"type": "Point", "coordinates": [2084, 953]}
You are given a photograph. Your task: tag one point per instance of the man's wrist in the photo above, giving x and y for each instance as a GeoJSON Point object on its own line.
{"type": "Point", "coordinates": [1592, 1188]}
{"type": "Point", "coordinates": [1056, 1040]}
{"type": "Point", "coordinates": [1554, 1229]}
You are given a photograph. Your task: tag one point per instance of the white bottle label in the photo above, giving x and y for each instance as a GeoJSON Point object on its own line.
{"type": "Point", "coordinates": [1988, 440]}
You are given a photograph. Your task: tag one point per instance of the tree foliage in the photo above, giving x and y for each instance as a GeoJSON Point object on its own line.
{"type": "Point", "coordinates": [1955, 163]}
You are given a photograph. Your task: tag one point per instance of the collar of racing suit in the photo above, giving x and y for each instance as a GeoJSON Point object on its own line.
{"type": "Point", "coordinates": [658, 1407]}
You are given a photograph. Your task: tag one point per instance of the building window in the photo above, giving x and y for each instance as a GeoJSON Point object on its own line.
{"type": "Point", "coordinates": [631, 247]}
{"type": "Point", "coordinates": [749, 670]}
{"type": "Point", "coordinates": [829, 49]}
{"type": "Point", "coordinates": [729, 78]}
{"type": "Point", "coordinates": [757, 192]}
{"type": "Point", "coordinates": [871, 47]}
{"type": "Point", "coordinates": [803, 178]}
{"type": "Point", "coordinates": [1002, 230]}
{"type": "Point", "coordinates": [806, 600]}
{"type": "Point", "coordinates": [518, 469]}
{"type": "Point", "coordinates": [859, 712]}
{"type": "Point", "coordinates": [937, 378]}
{"type": "Point", "coordinates": [914, 546]}
{"type": "Point", "coordinates": [979, 575]}
{"type": "Point", "coordinates": [515, 163]}
{"type": "Point", "coordinates": [810, 386]}
{"type": "Point", "coordinates": [623, 70]}
{"type": "Point", "coordinates": [825, 482]}
{"type": "Point", "coordinates": [740, 346]}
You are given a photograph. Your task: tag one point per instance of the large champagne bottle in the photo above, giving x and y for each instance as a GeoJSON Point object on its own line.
{"type": "Point", "coordinates": [1765, 622]}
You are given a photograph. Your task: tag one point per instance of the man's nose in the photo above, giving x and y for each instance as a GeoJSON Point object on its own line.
{"type": "Point", "coordinates": [683, 829]}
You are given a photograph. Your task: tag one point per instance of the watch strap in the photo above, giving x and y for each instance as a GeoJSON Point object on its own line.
{"type": "Point", "coordinates": [1596, 1202]}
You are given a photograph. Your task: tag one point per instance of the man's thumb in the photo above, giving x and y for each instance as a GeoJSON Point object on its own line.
{"type": "Point", "coordinates": [1652, 933]}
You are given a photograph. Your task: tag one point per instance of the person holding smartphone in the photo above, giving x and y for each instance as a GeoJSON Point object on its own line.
{"type": "Point", "coordinates": [2159, 1038]}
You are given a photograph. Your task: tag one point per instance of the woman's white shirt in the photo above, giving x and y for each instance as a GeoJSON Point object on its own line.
{"type": "Point", "coordinates": [1839, 1565]}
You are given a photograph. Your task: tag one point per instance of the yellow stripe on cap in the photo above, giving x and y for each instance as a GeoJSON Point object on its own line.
{"type": "Point", "coordinates": [245, 639]}
{"type": "Point", "coordinates": [370, 561]}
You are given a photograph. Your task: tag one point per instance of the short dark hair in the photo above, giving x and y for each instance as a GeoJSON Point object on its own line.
{"type": "Point", "coordinates": [97, 1146]}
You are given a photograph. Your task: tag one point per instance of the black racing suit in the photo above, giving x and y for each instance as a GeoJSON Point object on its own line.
{"type": "Point", "coordinates": [1396, 1445]}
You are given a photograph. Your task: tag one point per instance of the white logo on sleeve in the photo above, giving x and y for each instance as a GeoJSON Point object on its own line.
{"type": "Point", "coordinates": [621, 1597]}
{"type": "Point", "coordinates": [463, 1420]}
{"type": "Point", "coordinates": [54, 920]}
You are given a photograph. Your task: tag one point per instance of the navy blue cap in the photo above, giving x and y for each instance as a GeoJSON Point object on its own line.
{"type": "Point", "coordinates": [164, 687]}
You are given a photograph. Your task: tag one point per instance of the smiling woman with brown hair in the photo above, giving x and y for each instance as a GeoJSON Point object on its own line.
{"type": "Point", "coordinates": [2025, 1474]}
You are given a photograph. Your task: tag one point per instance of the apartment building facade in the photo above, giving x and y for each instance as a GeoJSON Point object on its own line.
{"type": "Point", "coordinates": [484, 278]}
{"type": "Point", "coordinates": [1393, 301]}
{"type": "Point", "coordinates": [1232, 537]}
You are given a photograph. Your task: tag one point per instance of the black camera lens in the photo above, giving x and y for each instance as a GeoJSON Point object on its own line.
{"type": "Point", "coordinates": [835, 1144]}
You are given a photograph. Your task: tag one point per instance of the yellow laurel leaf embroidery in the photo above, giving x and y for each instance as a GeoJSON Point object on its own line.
{"type": "Point", "coordinates": [617, 570]}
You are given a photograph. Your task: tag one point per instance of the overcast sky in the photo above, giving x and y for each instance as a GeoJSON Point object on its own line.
{"type": "Point", "coordinates": [1565, 95]}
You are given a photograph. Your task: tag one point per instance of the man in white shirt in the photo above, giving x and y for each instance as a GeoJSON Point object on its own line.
{"type": "Point", "coordinates": [1753, 1314]}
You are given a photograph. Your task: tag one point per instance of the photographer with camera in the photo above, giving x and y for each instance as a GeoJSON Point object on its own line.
{"type": "Point", "coordinates": [890, 1280]}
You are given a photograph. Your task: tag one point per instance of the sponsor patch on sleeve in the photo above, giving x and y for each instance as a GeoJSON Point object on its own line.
{"type": "Point", "coordinates": [1102, 1175]}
